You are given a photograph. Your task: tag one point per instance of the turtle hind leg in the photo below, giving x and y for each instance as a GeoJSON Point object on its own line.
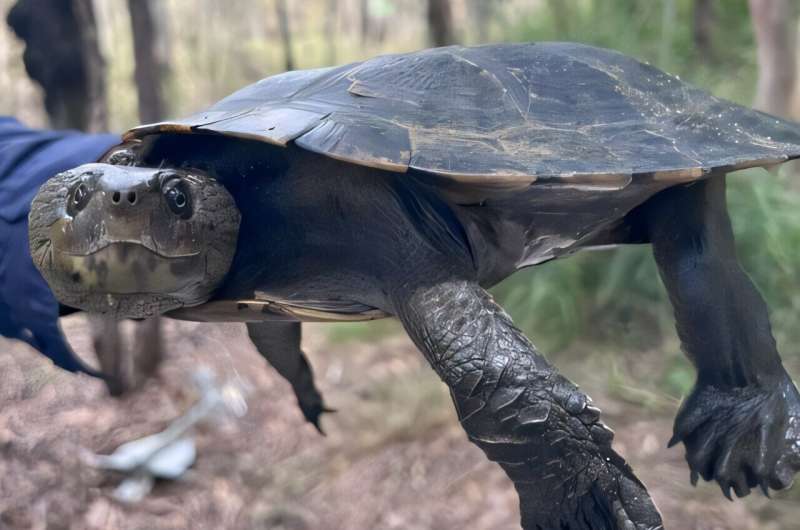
{"type": "Point", "coordinates": [740, 423]}
{"type": "Point", "coordinates": [522, 413]}
{"type": "Point", "coordinates": [279, 344]}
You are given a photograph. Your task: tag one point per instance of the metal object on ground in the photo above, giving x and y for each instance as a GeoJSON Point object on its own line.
{"type": "Point", "coordinates": [170, 453]}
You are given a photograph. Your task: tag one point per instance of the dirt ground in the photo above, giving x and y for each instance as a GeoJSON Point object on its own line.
{"type": "Point", "coordinates": [394, 457]}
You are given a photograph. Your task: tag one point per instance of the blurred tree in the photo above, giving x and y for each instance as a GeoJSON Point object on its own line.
{"type": "Point", "coordinates": [331, 17]}
{"type": "Point", "coordinates": [62, 55]}
{"type": "Point", "coordinates": [375, 17]}
{"type": "Point", "coordinates": [561, 14]}
{"type": "Point", "coordinates": [286, 36]}
{"type": "Point", "coordinates": [440, 23]}
{"type": "Point", "coordinates": [702, 30]}
{"type": "Point", "coordinates": [668, 22]}
{"type": "Point", "coordinates": [775, 24]}
{"type": "Point", "coordinates": [365, 20]}
{"type": "Point", "coordinates": [149, 65]}
{"type": "Point", "coordinates": [481, 14]}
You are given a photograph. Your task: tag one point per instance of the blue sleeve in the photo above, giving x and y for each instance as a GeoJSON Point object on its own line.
{"type": "Point", "coordinates": [28, 157]}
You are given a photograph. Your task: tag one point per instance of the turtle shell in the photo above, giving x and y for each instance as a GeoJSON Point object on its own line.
{"type": "Point", "coordinates": [503, 116]}
{"type": "Point", "coordinates": [545, 147]}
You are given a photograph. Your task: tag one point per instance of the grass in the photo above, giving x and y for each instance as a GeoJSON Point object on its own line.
{"type": "Point", "coordinates": [342, 332]}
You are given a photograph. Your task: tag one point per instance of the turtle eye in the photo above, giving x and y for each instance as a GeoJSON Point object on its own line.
{"type": "Point", "coordinates": [176, 194]}
{"type": "Point", "coordinates": [79, 198]}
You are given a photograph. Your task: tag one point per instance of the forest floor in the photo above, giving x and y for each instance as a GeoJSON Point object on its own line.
{"type": "Point", "coordinates": [394, 457]}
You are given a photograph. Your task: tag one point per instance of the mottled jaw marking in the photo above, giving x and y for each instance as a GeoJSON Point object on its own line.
{"type": "Point", "coordinates": [131, 241]}
{"type": "Point", "coordinates": [130, 268]}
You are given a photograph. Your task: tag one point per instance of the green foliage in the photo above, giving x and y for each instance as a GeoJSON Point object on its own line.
{"type": "Point", "coordinates": [342, 332]}
{"type": "Point", "coordinates": [766, 218]}
{"type": "Point", "coordinates": [659, 32]}
{"type": "Point", "coordinates": [609, 296]}
{"type": "Point", "coordinates": [678, 376]}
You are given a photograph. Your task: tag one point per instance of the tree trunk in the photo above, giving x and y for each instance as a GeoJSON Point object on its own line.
{"type": "Point", "coordinates": [93, 64]}
{"type": "Point", "coordinates": [702, 31]}
{"type": "Point", "coordinates": [149, 66]}
{"type": "Point", "coordinates": [669, 13]}
{"type": "Point", "coordinates": [481, 12]}
{"type": "Point", "coordinates": [561, 16]}
{"type": "Point", "coordinates": [775, 26]}
{"type": "Point", "coordinates": [62, 55]}
{"type": "Point", "coordinates": [365, 20]}
{"type": "Point", "coordinates": [440, 24]}
{"type": "Point", "coordinates": [331, 17]}
{"type": "Point", "coordinates": [286, 36]}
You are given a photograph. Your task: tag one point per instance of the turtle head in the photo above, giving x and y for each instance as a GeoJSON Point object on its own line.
{"type": "Point", "coordinates": [130, 241]}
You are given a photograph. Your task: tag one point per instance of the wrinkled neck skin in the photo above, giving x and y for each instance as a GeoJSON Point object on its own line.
{"type": "Point", "coordinates": [326, 231]}
{"type": "Point", "coordinates": [318, 230]}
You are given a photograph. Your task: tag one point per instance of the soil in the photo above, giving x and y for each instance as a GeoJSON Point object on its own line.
{"type": "Point", "coordinates": [394, 456]}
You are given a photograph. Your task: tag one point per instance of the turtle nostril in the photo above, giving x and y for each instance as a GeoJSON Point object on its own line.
{"type": "Point", "coordinates": [132, 197]}
{"type": "Point", "coordinates": [115, 198]}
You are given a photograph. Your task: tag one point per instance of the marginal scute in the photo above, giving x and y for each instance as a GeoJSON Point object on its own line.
{"type": "Point", "coordinates": [375, 143]}
{"type": "Point", "coordinates": [274, 125]}
{"type": "Point", "coordinates": [504, 116]}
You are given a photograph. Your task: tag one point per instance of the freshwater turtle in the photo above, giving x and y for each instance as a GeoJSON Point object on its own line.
{"type": "Point", "coordinates": [407, 184]}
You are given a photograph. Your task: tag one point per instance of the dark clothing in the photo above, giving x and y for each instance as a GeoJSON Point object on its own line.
{"type": "Point", "coordinates": [28, 157]}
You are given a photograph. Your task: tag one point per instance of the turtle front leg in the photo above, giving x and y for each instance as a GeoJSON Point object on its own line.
{"type": "Point", "coordinates": [279, 344]}
{"type": "Point", "coordinates": [741, 423]}
{"type": "Point", "coordinates": [523, 414]}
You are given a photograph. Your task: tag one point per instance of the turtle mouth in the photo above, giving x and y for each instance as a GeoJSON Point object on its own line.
{"type": "Point", "coordinates": [64, 237]}
{"type": "Point", "coordinates": [126, 268]}
{"type": "Point", "coordinates": [104, 244]}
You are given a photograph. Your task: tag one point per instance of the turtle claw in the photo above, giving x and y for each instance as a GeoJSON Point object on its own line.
{"type": "Point", "coordinates": [726, 490]}
{"type": "Point", "coordinates": [742, 438]}
{"type": "Point", "coordinates": [764, 489]}
{"type": "Point", "coordinates": [313, 412]}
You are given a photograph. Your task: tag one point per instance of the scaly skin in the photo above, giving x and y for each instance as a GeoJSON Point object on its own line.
{"type": "Point", "coordinates": [534, 422]}
{"type": "Point", "coordinates": [742, 437]}
{"type": "Point", "coordinates": [740, 424]}
{"type": "Point", "coordinates": [279, 344]}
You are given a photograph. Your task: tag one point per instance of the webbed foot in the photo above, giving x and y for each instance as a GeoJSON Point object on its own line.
{"type": "Point", "coordinates": [538, 426]}
{"type": "Point", "coordinates": [614, 502]}
{"type": "Point", "coordinates": [742, 438]}
{"type": "Point", "coordinates": [559, 455]}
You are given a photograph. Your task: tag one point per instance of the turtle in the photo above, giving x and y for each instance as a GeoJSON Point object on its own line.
{"type": "Point", "coordinates": [405, 186]}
